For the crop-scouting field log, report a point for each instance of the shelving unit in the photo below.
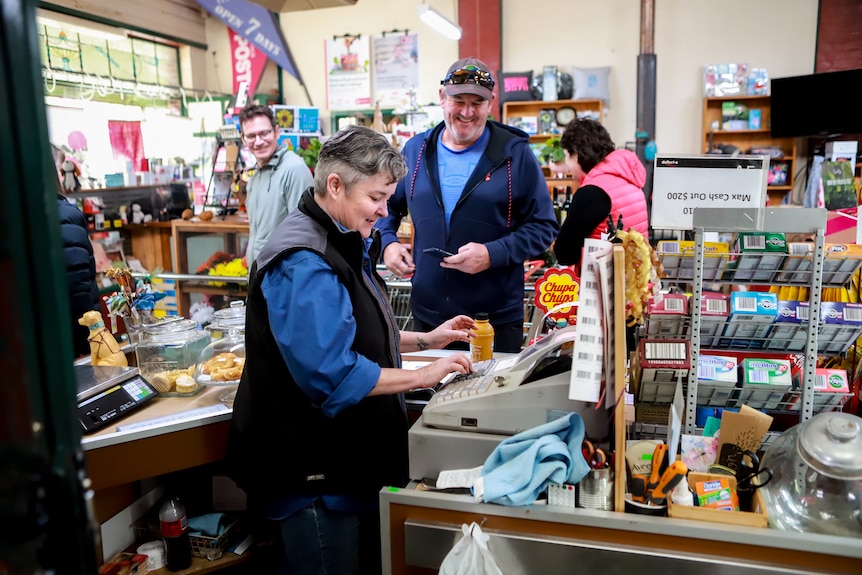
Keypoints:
(712, 134)
(532, 108)
(805, 221)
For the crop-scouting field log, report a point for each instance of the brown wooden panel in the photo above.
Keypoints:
(481, 21)
(788, 558)
(108, 502)
(839, 42)
(126, 462)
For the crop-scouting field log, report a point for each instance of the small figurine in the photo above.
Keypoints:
(71, 183)
(104, 349)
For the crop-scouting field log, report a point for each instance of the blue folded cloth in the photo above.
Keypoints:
(209, 524)
(522, 466)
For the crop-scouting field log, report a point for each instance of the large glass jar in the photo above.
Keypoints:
(168, 353)
(817, 483)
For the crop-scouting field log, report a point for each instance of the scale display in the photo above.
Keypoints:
(109, 393)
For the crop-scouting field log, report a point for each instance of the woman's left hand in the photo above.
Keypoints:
(459, 328)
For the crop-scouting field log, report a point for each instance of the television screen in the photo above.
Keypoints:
(824, 104)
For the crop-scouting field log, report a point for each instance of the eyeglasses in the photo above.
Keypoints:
(263, 135)
(469, 75)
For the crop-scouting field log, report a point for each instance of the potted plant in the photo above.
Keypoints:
(553, 155)
(310, 153)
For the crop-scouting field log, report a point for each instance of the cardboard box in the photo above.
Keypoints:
(841, 150)
(714, 311)
(677, 258)
(841, 325)
(764, 382)
(660, 364)
(717, 377)
(755, 256)
(751, 317)
(755, 518)
(789, 332)
(839, 265)
(667, 316)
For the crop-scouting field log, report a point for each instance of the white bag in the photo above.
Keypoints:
(470, 555)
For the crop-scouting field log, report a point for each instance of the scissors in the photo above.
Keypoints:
(595, 456)
(749, 478)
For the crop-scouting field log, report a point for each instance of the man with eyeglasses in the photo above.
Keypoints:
(278, 180)
(473, 188)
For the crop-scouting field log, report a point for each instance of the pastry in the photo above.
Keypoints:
(186, 384)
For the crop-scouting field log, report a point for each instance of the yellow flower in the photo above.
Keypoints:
(233, 268)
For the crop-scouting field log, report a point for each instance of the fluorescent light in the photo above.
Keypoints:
(439, 22)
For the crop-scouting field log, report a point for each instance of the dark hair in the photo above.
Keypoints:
(254, 110)
(354, 153)
(589, 140)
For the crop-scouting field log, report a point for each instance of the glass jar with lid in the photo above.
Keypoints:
(168, 353)
(228, 321)
(817, 476)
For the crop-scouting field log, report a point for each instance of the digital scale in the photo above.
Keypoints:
(106, 393)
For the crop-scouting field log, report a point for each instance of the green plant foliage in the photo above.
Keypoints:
(310, 153)
(552, 151)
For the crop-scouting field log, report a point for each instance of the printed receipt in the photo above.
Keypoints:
(453, 478)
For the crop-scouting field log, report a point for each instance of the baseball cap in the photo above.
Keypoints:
(469, 76)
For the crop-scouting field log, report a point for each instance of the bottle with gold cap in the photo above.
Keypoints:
(482, 346)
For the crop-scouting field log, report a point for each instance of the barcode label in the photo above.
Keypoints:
(819, 382)
(758, 376)
(744, 318)
(754, 242)
(716, 305)
(664, 350)
(582, 355)
(589, 320)
(746, 304)
(587, 338)
(673, 304)
(584, 374)
(706, 372)
(588, 302)
(852, 314)
(591, 285)
(669, 247)
(799, 249)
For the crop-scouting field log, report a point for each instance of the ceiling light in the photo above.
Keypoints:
(439, 22)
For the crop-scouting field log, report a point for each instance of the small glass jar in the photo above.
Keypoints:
(170, 350)
(229, 321)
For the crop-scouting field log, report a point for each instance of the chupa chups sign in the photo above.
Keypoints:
(557, 287)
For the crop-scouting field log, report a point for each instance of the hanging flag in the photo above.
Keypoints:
(258, 26)
(247, 63)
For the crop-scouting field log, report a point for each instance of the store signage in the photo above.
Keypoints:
(258, 26)
(683, 183)
(248, 63)
(558, 287)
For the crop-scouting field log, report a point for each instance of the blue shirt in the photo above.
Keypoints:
(311, 317)
(455, 168)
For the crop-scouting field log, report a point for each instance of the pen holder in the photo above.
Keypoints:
(596, 490)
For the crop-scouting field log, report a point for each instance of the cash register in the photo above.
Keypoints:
(108, 393)
(467, 417)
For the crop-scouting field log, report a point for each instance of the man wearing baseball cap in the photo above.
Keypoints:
(475, 189)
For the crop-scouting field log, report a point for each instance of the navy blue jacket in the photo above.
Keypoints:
(80, 270)
(505, 205)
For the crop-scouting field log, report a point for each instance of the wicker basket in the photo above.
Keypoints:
(147, 529)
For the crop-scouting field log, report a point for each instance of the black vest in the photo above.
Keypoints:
(280, 443)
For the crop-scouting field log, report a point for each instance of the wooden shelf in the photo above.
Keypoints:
(746, 139)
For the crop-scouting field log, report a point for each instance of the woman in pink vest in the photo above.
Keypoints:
(611, 183)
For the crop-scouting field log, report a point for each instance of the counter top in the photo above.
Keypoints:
(184, 412)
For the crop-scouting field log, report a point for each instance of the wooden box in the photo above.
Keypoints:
(758, 518)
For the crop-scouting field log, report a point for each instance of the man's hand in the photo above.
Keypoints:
(398, 259)
(471, 258)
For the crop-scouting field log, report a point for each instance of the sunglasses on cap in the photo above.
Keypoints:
(469, 76)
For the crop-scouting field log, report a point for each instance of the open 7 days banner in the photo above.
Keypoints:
(258, 25)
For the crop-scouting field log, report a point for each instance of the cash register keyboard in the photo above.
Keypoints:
(458, 385)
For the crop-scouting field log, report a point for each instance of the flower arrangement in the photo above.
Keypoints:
(223, 264)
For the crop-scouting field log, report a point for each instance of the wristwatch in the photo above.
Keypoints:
(565, 115)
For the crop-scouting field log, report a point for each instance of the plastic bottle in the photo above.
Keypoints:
(175, 530)
(482, 346)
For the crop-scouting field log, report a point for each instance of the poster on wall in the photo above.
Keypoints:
(396, 68)
(348, 74)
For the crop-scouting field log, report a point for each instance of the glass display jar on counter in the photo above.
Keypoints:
(229, 321)
(168, 353)
(817, 476)
(221, 362)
